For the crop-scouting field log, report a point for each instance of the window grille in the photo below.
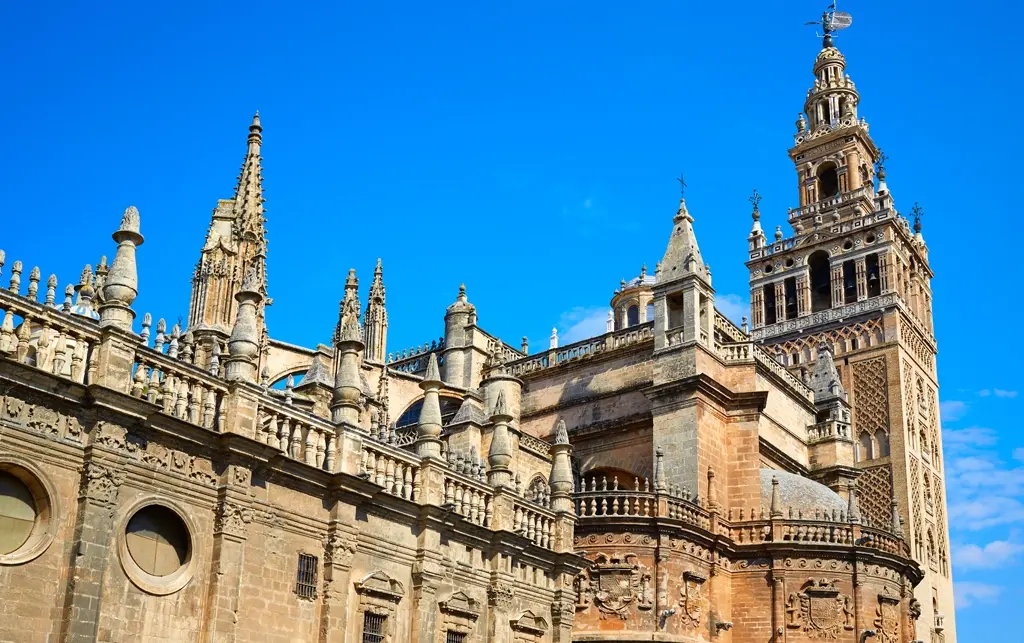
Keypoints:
(373, 627)
(455, 637)
(305, 578)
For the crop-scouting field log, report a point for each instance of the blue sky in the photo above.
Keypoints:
(528, 149)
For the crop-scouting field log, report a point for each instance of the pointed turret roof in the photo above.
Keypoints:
(682, 258)
(825, 381)
(377, 287)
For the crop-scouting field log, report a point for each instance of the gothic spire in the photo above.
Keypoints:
(682, 258)
(375, 323)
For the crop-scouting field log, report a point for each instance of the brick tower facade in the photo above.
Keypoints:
(854, 277)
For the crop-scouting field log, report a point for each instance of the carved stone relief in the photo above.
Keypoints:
(887, 617)
(691, 601)
(820, 610)
(614, 584)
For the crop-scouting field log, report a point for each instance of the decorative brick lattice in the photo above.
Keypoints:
(915, 503)
(867, 333)
(940, 525)
(871, 396)
(908, 419)
(913, 341)
(933, 422)
(874, 495)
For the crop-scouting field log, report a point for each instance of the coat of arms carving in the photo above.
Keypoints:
(820, 610)
(692, 599)
(614, 584)
(887, 620)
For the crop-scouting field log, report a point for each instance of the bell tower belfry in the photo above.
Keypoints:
(852, 283)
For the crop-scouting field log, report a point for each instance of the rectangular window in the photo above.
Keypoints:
(373, 627)
(455, 637)
(770, 314)
(790, 294)
(305, 578)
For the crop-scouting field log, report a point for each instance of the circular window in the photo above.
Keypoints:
(789, 262)
(156, 550)
(17, 513)
(847, 245)
(871, 238)
(27, 526)
(767, 268)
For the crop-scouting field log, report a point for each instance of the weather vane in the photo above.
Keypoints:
(831, 22)
(682, 185)
(918, 212)
(755, 198)
(882, 158)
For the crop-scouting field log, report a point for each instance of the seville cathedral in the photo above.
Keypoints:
(677, 478)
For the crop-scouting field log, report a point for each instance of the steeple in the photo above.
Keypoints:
(235, 241)
(375, 323)
(682, 257)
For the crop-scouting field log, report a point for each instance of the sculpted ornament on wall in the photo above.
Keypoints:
(692, 599)
(887, 617)
(501, 596)
(820, 610)
(614, 584)
(101, 483)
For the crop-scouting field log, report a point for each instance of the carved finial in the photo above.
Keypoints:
(561, 433)
(500, 406)
(250, 282)
(147, 321)
(778, 233)
(433, 373)
(130, 220)
(776, 508)
(659, 480)
(918, 212)
(69, 294)
(33, 283)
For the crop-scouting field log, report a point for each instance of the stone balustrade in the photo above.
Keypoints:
(470, 498)
(764, 359)
(396, 470)
(182, 390)
(297, 435)
(533, 521)
(588, 348)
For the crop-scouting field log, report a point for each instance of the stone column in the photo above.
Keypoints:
(230, 531)
(339, 550)
(780, 301)
(500, 601)
(803, 295)
(884, 276)
(757, 307)
(862, 278)
(427, 574)
(93, 539)
(838, 299)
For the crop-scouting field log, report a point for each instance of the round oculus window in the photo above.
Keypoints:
(18, 513)
(158, 540)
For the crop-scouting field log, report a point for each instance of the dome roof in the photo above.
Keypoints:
(800, 493)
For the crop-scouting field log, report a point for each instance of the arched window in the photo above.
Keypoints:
(874, 280)
(828, 181)
(821, 281)
(770, 311)
(864, 451)
(850, 282)
(883, 443)
(789, 286)
(538, 488)
(633, 315)
(449, 407)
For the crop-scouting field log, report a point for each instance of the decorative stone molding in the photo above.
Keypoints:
(47, 507)
(100, 483)
(156, 585)
(529, 628)
(820, 610)
(459, 613)
(233, 520)
(380, 594)
(501, 596)
(339, 549)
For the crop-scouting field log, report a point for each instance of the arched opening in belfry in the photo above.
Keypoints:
(789, 287)
(850, 282)
(821, 281)
(411, 416)
(633, 315)
(873, 276)
(865, 449)
(828, 181)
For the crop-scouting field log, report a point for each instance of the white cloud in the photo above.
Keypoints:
(965, 593)
(581, 323)
(998, 392)
(952, 410)
(1018, 454)
(964, 440)
(734, 307)
(994, 554)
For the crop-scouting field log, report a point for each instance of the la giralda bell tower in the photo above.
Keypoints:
(854, 276)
